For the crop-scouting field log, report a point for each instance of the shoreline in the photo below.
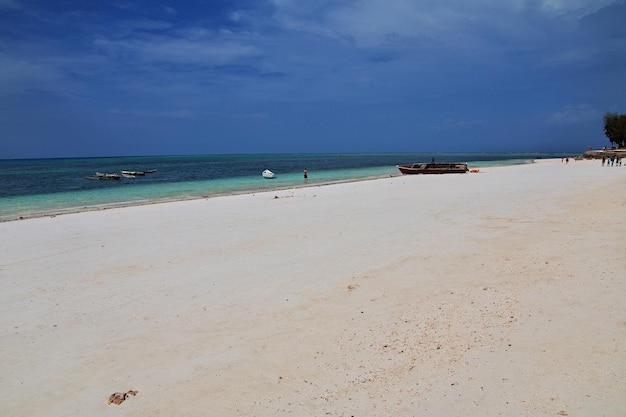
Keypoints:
(164, 200)
(497, 293)
(115, 205)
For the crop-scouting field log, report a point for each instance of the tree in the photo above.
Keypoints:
(615, 128)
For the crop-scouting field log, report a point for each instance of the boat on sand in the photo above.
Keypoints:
(434, 168)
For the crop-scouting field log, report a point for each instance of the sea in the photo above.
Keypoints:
(46, 187)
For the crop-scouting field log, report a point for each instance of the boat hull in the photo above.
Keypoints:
(106, 176)
(433, 168)
(267, 174)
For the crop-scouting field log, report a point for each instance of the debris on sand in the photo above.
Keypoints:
(119, 397)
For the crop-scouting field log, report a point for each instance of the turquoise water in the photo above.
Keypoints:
(40, 187)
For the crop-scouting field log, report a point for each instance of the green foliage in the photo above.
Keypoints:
(615, 128)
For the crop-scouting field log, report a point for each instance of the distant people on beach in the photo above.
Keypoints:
(306, 174)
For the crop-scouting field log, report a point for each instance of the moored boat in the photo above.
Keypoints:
(434, 168)
(268, 174)
(105, 176)
(134, 173)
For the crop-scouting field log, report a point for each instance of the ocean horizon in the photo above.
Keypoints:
(43, 187)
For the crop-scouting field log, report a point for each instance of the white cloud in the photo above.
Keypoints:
(573, 8)
(573, 114)
(173, 114)
(376, 22)
(9, 4)
(19, 75)
(145, 24)
(180, 51)
(170, 11)
(450, 124)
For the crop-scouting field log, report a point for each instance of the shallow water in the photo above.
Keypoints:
(52, 186)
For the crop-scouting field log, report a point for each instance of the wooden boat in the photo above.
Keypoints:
(104, 176)
(434, 168)
(268, 174)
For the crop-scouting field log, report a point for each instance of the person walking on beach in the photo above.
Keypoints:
(306, 174)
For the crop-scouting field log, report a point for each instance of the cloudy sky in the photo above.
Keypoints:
(150, 77)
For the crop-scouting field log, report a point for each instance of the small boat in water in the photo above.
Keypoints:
(268, 174)
(105, 176)
(434, 168)
(133, 173)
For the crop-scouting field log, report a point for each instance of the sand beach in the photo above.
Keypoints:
(499, 293)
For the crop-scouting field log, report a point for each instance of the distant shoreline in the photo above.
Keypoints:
(604, 153)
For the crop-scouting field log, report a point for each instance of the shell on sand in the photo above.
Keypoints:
(119, 397)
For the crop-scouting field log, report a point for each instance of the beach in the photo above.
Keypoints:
(496, 293)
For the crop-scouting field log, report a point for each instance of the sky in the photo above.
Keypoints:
(83, 78)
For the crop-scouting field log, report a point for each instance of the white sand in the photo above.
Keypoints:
(491, 294)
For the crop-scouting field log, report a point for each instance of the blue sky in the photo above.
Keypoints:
(120, 77)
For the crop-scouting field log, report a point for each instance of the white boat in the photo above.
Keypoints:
(268, 174)
(105, 176)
